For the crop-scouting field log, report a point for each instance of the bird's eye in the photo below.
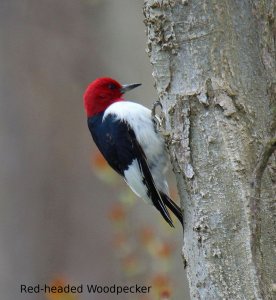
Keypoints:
(112, 86)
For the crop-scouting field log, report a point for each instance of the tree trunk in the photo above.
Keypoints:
(215, 73)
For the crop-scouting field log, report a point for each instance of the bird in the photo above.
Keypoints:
(125, 134)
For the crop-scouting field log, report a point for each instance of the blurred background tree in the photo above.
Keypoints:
(57, 216)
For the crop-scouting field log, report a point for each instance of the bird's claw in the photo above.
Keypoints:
(155, 105)
(157, 119)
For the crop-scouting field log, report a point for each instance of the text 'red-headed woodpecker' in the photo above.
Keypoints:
(125, 135)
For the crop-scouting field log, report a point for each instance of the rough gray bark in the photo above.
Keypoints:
(215, 73)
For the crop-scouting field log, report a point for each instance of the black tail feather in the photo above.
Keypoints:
(173, 207)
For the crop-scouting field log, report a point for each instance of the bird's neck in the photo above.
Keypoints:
(94, 108)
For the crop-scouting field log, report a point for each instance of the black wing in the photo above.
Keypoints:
(112, 139)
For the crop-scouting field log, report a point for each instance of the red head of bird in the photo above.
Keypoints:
(103, 92)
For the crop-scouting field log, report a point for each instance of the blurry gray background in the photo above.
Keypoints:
(53, 209)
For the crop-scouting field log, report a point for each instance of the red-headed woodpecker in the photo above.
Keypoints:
(125, 135)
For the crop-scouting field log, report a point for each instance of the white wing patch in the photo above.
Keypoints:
(134, 179)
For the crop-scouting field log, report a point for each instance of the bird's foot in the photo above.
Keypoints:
(159, 119)
(155, 105)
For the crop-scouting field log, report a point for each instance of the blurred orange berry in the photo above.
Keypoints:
(161, 285)
(98, 161)
(102, 169)
(146, 235)
(165, 295)
(117, 213)
(59, 282)
(160, 281)
(165, 250)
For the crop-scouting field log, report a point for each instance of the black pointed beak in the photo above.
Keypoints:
(128, 87)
